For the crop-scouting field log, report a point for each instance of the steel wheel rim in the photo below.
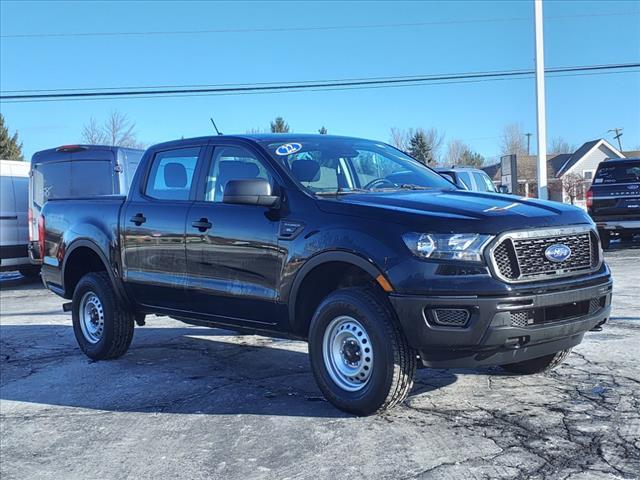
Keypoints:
(347, 353)
(91, 317)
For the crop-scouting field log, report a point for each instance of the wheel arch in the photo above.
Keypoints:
(93, 259)
(341, 263)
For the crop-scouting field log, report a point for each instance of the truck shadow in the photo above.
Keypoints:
(172, 370)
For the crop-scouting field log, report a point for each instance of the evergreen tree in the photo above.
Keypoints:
(419, 147)
(279, 126)
(10, 148)
(322, 131)
(471, 159)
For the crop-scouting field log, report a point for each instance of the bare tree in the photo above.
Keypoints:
(92, 133)
(401, 139)
(513, 141)
(573, 185)
(560, 145)
(117, 131)
(455, 151)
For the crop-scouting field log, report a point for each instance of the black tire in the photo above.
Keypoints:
(117, 332)
(394, 364)
(626, 236)
(605, 239)
(538, 365)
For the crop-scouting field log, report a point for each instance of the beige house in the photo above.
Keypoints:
(569, 174)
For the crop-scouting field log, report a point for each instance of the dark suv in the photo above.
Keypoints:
(613, 200)
(373, 258)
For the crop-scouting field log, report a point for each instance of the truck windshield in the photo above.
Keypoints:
(342, 165)
(624, 172)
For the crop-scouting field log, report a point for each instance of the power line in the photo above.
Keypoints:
(381, 82)
(332, 89)
(303, 29)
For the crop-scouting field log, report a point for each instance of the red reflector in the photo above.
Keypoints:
(41, 236)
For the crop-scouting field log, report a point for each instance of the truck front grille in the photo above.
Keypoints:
(556, 313)
(520, 256)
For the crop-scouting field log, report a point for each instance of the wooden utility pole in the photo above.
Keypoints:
(617, 136)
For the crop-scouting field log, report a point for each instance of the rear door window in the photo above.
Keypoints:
(627, 172)
(91, 177)
(465, 180)
(51, 180)
(483, 182)
(70, 179)
(171, 174)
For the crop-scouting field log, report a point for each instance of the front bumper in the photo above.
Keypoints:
(620, 224)
(490, 336)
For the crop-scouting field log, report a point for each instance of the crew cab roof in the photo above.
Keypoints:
(253, 137)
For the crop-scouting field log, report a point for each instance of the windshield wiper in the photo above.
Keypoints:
(411, 186)
(342, 191)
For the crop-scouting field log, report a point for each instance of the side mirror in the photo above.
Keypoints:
(503, 189)
(255, 191)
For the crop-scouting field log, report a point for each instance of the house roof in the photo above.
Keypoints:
(492, 170)
(584, 150)
(557, 164)
(631, 153)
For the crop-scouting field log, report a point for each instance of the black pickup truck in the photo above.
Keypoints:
(613, 200)
(374, 259)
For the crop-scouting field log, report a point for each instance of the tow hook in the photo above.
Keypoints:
(516, 342)
(598, 327)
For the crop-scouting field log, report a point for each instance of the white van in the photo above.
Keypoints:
(14, 223)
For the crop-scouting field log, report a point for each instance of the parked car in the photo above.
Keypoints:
(74, 171)
(613, 200)
(468, 178)
(14, 237)
(349, 244)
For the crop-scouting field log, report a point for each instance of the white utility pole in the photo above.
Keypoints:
(543, 192)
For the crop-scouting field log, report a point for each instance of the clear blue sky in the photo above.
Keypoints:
(578, 108)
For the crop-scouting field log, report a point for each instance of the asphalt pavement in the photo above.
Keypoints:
(194, 403)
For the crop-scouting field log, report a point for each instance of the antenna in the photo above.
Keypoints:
(214, 126)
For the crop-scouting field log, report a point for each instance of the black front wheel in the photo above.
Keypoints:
(360, 358)
(102, 326)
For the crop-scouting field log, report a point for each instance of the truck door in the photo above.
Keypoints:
(153, 226)
(233, 260)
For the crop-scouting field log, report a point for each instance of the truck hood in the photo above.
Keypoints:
(456, 210)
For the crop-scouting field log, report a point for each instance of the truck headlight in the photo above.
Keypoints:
(466, 247)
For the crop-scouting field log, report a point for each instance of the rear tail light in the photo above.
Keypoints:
(589, 198)
(30, 225)
(41, 236)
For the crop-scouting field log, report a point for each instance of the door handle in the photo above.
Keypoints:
(203, 224)
(138, 219)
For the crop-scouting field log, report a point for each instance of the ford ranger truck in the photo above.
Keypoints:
(372, 258)
(613, 200)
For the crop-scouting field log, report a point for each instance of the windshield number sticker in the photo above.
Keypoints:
(288, 149)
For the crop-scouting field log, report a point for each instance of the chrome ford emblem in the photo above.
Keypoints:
(557, 253)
